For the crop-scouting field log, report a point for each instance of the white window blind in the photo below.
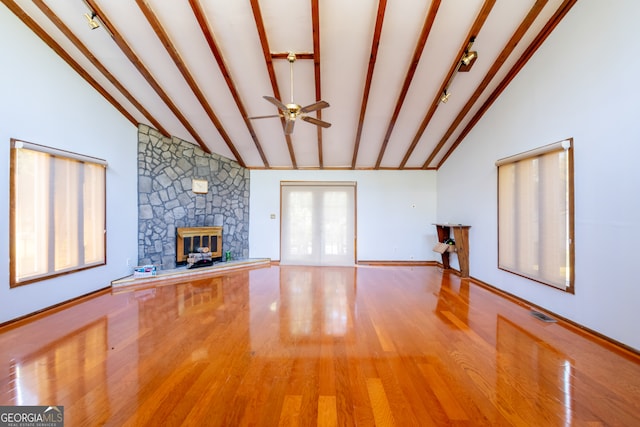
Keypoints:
(318, 223)
(535, 218)
(57, 212)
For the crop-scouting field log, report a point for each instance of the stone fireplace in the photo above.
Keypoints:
(167, 168)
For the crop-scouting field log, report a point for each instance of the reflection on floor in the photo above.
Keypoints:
(305, 346)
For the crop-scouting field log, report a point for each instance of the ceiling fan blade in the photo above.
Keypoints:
(313, 107)
(277, 103)
(264, 117)
(288, 127)
(315, 121)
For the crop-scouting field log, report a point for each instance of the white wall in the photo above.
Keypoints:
(395, 210)
(42, 100)
(583, 83)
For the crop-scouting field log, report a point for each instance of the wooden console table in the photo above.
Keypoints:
(461, 237)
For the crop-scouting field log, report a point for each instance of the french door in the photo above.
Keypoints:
(318, 223)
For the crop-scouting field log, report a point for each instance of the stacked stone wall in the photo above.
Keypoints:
(166, 168)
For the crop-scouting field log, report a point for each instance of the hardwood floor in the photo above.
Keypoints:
(309, 346)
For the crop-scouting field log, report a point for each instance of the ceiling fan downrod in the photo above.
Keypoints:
(291, 57)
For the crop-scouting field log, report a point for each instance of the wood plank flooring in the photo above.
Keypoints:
(303, 346)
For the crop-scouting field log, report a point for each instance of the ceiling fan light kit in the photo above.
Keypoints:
(290, 112)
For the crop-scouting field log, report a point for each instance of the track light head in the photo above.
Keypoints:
(468, 57)
(93, 24)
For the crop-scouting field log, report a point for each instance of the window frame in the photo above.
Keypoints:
(54, 154)
(567, 147)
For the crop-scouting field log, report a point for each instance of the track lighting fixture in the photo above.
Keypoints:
(467, 59)
(93, 24)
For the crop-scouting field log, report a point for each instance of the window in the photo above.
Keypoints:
(318, 223)
(58, 209)
(535, 215)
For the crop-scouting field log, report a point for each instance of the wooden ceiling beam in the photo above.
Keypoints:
(139, 65)
(382, 4)
(215, 50)
(417, 53)
(473, 32)
(495, 67)
(262, 34)
(284, 55)
(49, 41)
(560, 13)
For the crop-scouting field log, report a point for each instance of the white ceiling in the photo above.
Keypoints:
(403, 125)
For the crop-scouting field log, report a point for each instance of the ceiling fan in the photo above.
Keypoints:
(292, 111)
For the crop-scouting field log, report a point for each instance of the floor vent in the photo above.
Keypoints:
(542, 316)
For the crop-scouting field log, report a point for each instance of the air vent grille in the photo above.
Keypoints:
(542, 316)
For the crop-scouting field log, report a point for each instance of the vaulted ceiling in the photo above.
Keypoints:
(198, 69)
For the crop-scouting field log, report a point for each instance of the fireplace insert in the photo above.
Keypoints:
(190, 239)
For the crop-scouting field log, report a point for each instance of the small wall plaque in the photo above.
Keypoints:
(200, 186)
